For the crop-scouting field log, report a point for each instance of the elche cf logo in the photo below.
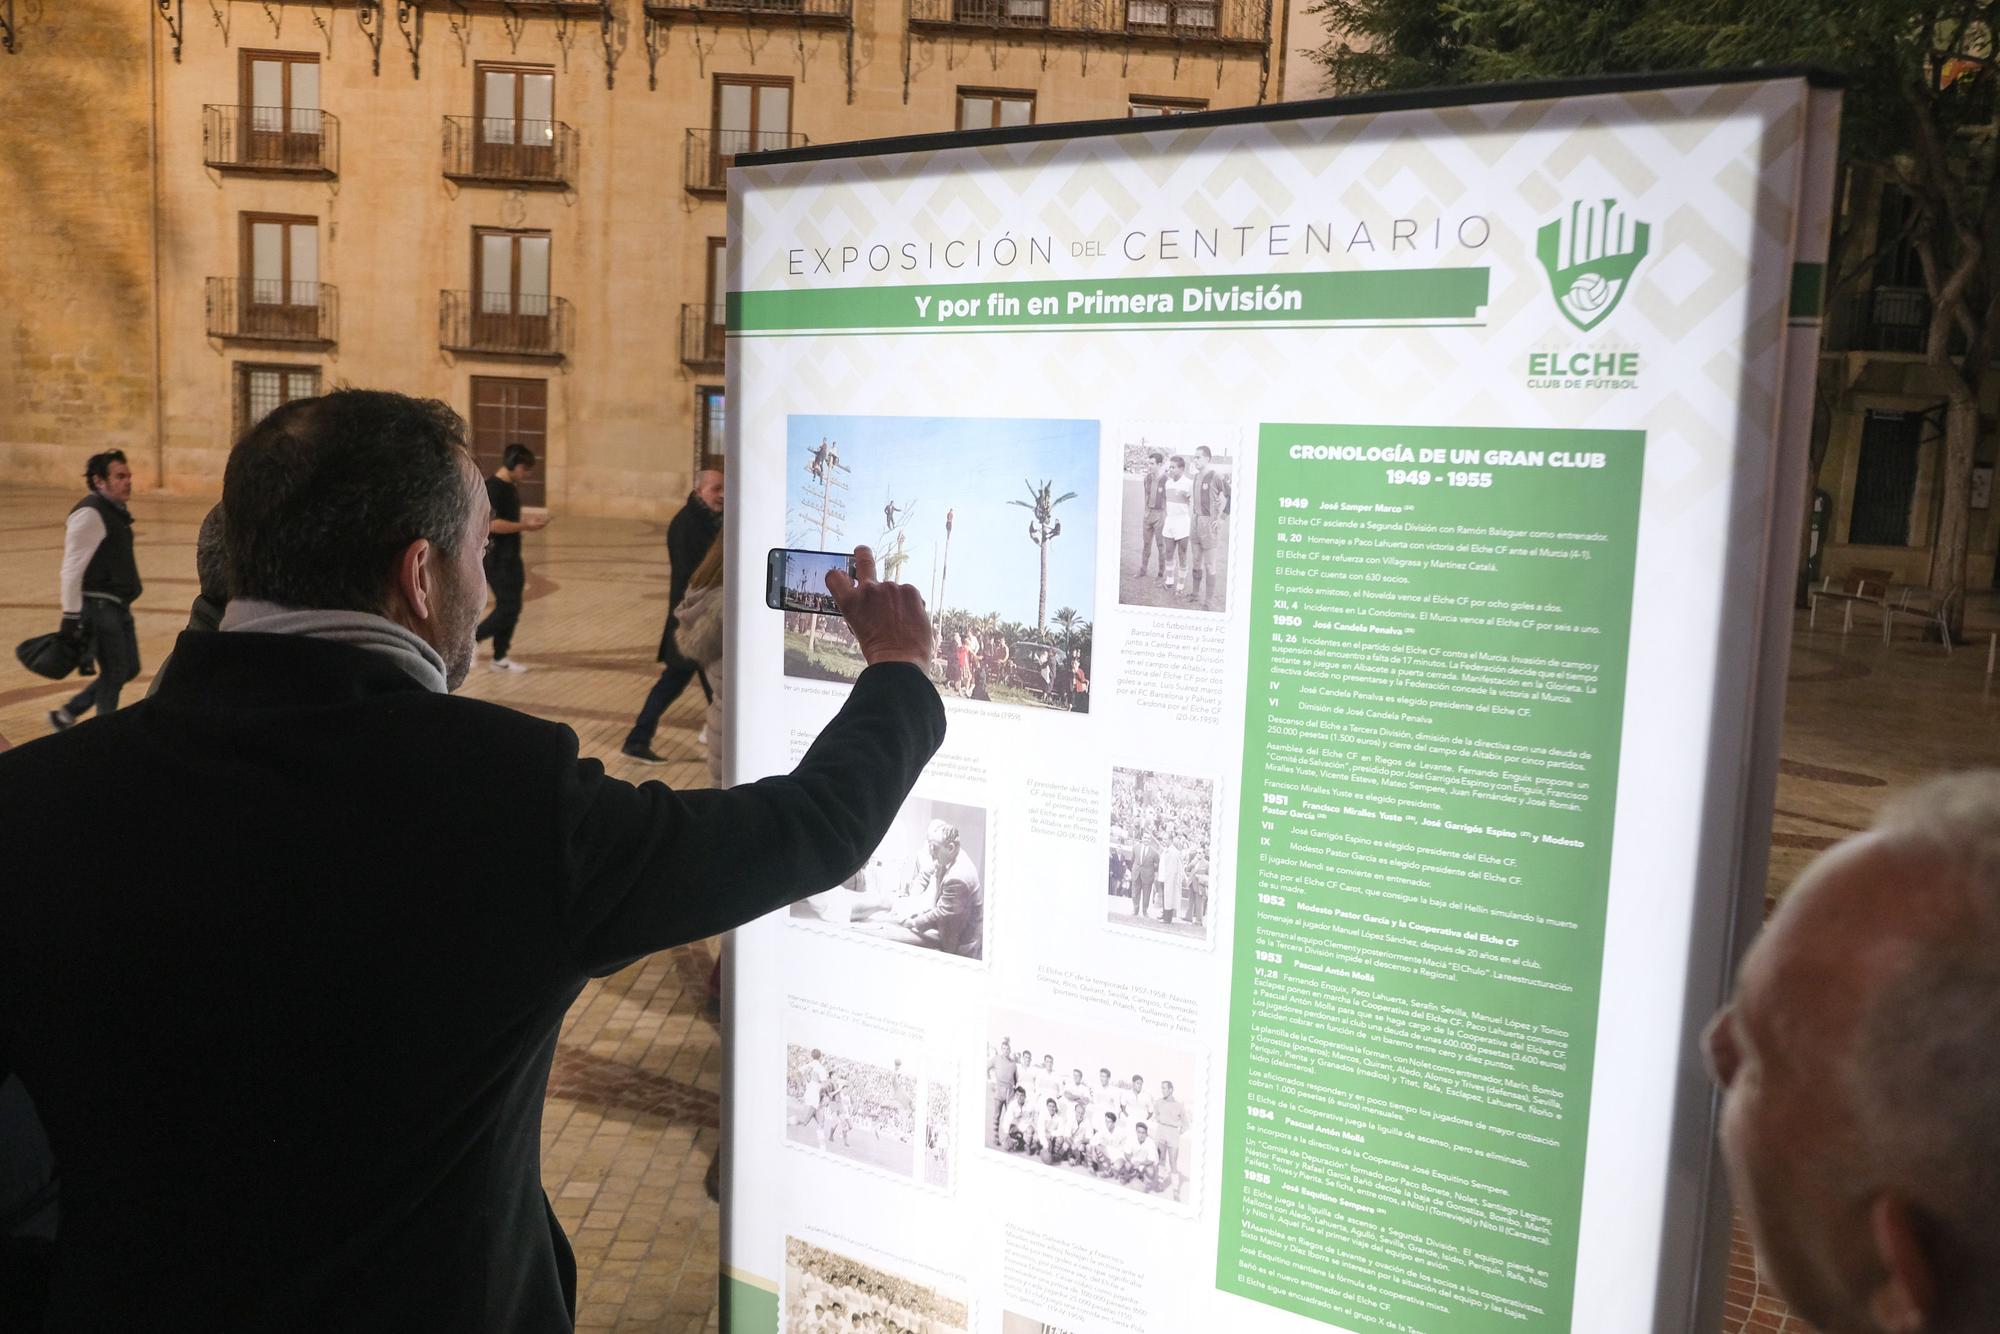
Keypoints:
(1590, 253)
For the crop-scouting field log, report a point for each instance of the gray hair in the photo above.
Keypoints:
(1925, 1076)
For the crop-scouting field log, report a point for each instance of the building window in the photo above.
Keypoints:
(259, 389)
(990, 109)
(280, 97)
(751, 115)
(280, 291)
(1885, 479)
(708, 423)
(514, 107)
(1163, 106)
(510, 282)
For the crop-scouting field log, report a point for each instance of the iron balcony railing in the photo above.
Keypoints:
(509, 151)
(292, 139)
(702, 336)
(1240, 21)
(710, 152)
(1885, 319)
(837, 13)
(504, 324)
(272, 310)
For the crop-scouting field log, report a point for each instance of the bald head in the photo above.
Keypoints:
(1862, 1090)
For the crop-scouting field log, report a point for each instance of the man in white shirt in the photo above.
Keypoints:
(1142, 1159)
(1137, 1102)
(99, 583)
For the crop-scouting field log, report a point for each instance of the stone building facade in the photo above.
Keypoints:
(514, 207)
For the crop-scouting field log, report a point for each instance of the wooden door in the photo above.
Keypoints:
(507, 411)
(718, 298)
(281, 126)
(510, 292)
(515, 118)
(752, 115)
(280, 283)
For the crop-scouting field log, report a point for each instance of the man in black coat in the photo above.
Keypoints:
(292, 1056)
(689, 537)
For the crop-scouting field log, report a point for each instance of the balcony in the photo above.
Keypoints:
(297, 142)
(826, 13)
(1886, 319)
(502, 324)
(709, 153)
(702, 337)
(1244, 23)
(271, 311)
(520, 154)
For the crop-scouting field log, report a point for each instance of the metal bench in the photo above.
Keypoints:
(1925, 606)
(1864, 586)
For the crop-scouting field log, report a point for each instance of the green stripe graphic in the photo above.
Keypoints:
(1291, 298)
(747, 1309)
(1808, 290)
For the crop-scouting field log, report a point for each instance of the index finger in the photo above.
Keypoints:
(864, 565)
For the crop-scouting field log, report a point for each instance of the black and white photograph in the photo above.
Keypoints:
(827, 1292)
(994, 518)
(1161, 863)
(1093, 1106)
(924, 887)
(1175, 511)
(869, 1098)
(1012, 1322)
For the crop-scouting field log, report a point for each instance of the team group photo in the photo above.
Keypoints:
(1094, 1105)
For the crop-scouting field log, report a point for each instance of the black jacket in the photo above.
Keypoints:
(292, 1054)
(113, 569)
(689, 537)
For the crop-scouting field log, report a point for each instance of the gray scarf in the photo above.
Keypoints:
(360, 628)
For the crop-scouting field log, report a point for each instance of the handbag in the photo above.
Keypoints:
(54, 656)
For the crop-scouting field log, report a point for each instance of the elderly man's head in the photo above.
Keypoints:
(361, 500)
(1860, 1062)
(942, 837)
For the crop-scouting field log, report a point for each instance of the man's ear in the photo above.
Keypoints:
(417, 579)
(1905, 1296)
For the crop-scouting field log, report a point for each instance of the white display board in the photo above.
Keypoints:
(1386, 765)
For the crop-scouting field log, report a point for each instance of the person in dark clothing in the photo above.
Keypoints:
(100, 582)
(294, 1073)
(28, 1209)
(506, 574)
(689, 536)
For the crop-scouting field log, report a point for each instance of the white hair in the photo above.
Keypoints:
(1926, 1063)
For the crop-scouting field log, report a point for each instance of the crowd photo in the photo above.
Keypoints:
(924, 885)
(1160, 867)
(830, 1293)
(995, 519)
(1111, 1108)
(1174, 516)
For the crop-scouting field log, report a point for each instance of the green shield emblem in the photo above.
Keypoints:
(1589, 254)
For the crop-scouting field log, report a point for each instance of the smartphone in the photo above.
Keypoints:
(796, 580)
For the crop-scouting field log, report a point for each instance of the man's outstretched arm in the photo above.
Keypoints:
(649, 867)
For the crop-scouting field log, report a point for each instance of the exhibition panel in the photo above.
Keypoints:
(1359, 537)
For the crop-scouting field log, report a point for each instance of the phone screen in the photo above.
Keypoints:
(798, 580)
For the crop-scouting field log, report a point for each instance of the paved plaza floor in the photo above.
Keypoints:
(632, 1112)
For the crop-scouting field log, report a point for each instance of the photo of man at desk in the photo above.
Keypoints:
(922, 887)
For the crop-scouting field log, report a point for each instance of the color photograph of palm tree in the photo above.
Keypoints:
(995, 519)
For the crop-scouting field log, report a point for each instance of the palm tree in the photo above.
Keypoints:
(1043, 529)
(1067, 617)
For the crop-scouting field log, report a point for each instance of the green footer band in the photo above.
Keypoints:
(748, 1306)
